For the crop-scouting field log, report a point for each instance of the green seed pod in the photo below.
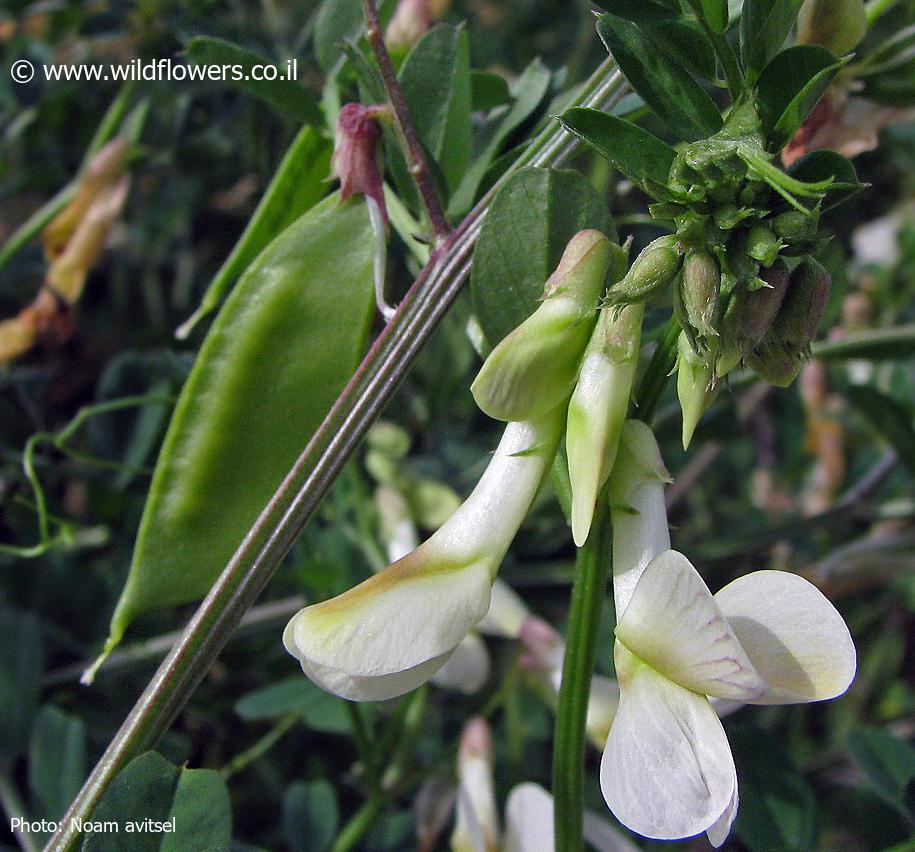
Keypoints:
(533, 369)
(654, 268)
(748, 316)
(837, 25)
(697, 298)
(763, 245)
(778, 357)
(271, 366)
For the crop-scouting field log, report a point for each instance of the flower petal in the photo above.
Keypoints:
(719, 831)
(407, 615)
(602, 703)
(372, 688)
(795, 637)
(467, 668)
(673, 623)
(667, 771)
(529, 820)
(639, 515)
(507, 612)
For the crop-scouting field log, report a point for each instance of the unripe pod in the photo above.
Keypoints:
(837, 25)
(778, 357)
(697, 297)
(763, 245)
(654, 268)
(748, 316)
(696, 387)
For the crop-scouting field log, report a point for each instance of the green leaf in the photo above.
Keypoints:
(677, 99)
(764, 26)
(639, 155)
(20, 673)
(298, 184)
(777, 806)
(641, 11)
(879, 344)
(57, 760)
(716, 14)
(337, 21)
(821, 165)
(286, 95)
(320, 710)
(193, 804)
(888, 764)
(529, 90)
(488, 91)
(687, 45)
(531, 220)
(890, 419)
(789, 88)
(435, 79)
(310, 816)
(285, 343)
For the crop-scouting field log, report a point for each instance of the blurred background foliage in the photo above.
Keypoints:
(814, 479)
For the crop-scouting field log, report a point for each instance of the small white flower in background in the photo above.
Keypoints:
(528, 811)
(769, 637)
(545, 651)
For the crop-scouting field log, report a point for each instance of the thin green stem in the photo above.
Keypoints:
(262, 746)
(877, 8)
(361, 822)
(13, 806)
(297, 499)
(588, 594)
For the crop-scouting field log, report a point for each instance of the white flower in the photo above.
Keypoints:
(528, 811)
(769, 637)
(393, 631)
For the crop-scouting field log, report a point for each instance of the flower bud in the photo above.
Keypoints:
(778, 357)
(696, 386)
(411, 20)
(598, 409)
(763, 245)
(793, 227)
(476, 824)
(837, 25)
(533, 369)
(654, 268)
(748, 316)
(697, 298)
(356, 154)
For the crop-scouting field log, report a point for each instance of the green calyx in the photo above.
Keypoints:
(696, 299)
(534, 368)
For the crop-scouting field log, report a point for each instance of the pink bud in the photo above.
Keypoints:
(543, 643)
(356, 154)
(476, 740)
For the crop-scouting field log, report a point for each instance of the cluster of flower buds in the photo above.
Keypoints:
(742, 242)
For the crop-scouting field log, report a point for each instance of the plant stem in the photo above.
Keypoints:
(301, 492)
(361, 822)
(262, 746)
(877, 8)
(13, 806)
(588, 594)
(413, 149)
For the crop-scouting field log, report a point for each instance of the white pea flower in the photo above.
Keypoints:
(769, 637)
(528, 811)
(394, 630)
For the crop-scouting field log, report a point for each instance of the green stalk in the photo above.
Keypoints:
(297, 499)
(588, 594)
